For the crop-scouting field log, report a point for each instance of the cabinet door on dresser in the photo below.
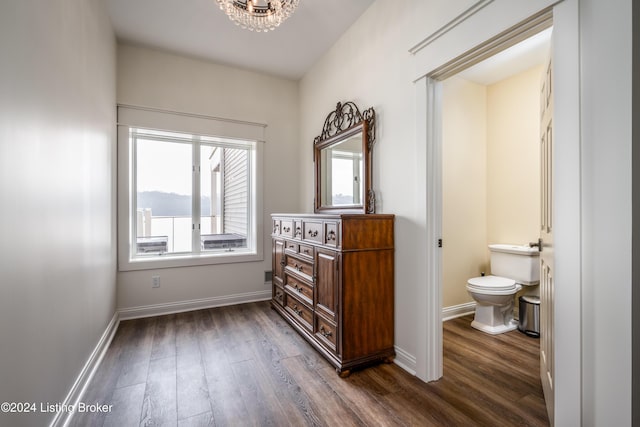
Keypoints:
(278, 265)
(278, 261)
(327, 281)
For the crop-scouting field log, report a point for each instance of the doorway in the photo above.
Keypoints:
(490, 164)
(447, 51)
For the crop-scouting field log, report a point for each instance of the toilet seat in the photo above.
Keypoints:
(493, 285)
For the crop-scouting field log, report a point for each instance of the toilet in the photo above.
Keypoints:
(512, 267)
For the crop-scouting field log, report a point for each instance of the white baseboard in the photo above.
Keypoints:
(190, 305)
(63, 418)
(459, 310)
(405, 360)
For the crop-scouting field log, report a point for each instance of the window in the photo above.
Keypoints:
(190, 199)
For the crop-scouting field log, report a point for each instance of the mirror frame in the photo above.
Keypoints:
(342, 123)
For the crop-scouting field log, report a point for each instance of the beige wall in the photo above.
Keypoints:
(513, 159)
(490, 178)
(152, 78)
(464, 187)
(57, 192)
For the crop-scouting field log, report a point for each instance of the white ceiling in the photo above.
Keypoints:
(516, 59)
(199, 28)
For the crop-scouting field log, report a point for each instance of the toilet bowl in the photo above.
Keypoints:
(513, 266)
(494, 297)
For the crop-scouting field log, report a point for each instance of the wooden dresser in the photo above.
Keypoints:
(333, 282)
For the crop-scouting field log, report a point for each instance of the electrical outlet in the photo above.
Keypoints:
(155, 281)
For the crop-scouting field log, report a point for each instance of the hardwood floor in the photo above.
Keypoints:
(244, 366)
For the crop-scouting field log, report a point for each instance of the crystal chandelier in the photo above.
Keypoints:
(258, 15)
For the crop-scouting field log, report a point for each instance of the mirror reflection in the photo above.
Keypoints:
(342, 173)
(342, 157)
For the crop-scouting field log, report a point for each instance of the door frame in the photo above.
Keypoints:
(496, 23)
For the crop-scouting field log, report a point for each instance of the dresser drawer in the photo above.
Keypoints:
(276, 227)
(326, 332)
(331, 234)
(306, 251)
(297, 229)
(278, 295)
(312, 231)
(286, 228)
(291, 246)
(300, 267)
(299, 288)
(299, 311)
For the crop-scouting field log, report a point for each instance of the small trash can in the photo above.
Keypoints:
(529, 313)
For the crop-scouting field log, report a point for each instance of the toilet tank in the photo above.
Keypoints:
(520, 263)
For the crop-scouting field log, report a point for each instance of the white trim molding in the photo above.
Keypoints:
(190, 305)
(63, 417)
(156, 118)
(454, 311)
(478, 24)
(405, 360)
(451, 24)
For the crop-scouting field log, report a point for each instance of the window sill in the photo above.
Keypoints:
(173, 261)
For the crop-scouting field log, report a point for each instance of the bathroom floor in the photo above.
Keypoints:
(498, 375)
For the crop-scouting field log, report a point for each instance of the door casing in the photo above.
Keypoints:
(457, 43)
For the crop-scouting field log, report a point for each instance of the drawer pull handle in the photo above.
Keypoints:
(306, 251)
(279, 295)
(299, 289)
(313, 233)
(298, 232)
(298, 312)
(287, 229)
(298, 267)
(331, 236)
(324, 332)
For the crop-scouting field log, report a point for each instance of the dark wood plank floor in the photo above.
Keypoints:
(244, 366)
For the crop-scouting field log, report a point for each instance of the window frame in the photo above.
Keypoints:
(127, 259)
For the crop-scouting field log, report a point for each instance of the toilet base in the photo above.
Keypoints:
(495, 330)
(494, 312)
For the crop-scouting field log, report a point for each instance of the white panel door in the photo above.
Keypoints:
(546, 240)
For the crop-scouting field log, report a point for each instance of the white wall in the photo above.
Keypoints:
(606, 225)
(151, 78)
(57, 192)
(370, 65)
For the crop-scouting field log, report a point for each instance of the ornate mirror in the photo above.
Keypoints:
(342, 156)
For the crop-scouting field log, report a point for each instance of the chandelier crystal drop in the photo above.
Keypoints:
(258, 15)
